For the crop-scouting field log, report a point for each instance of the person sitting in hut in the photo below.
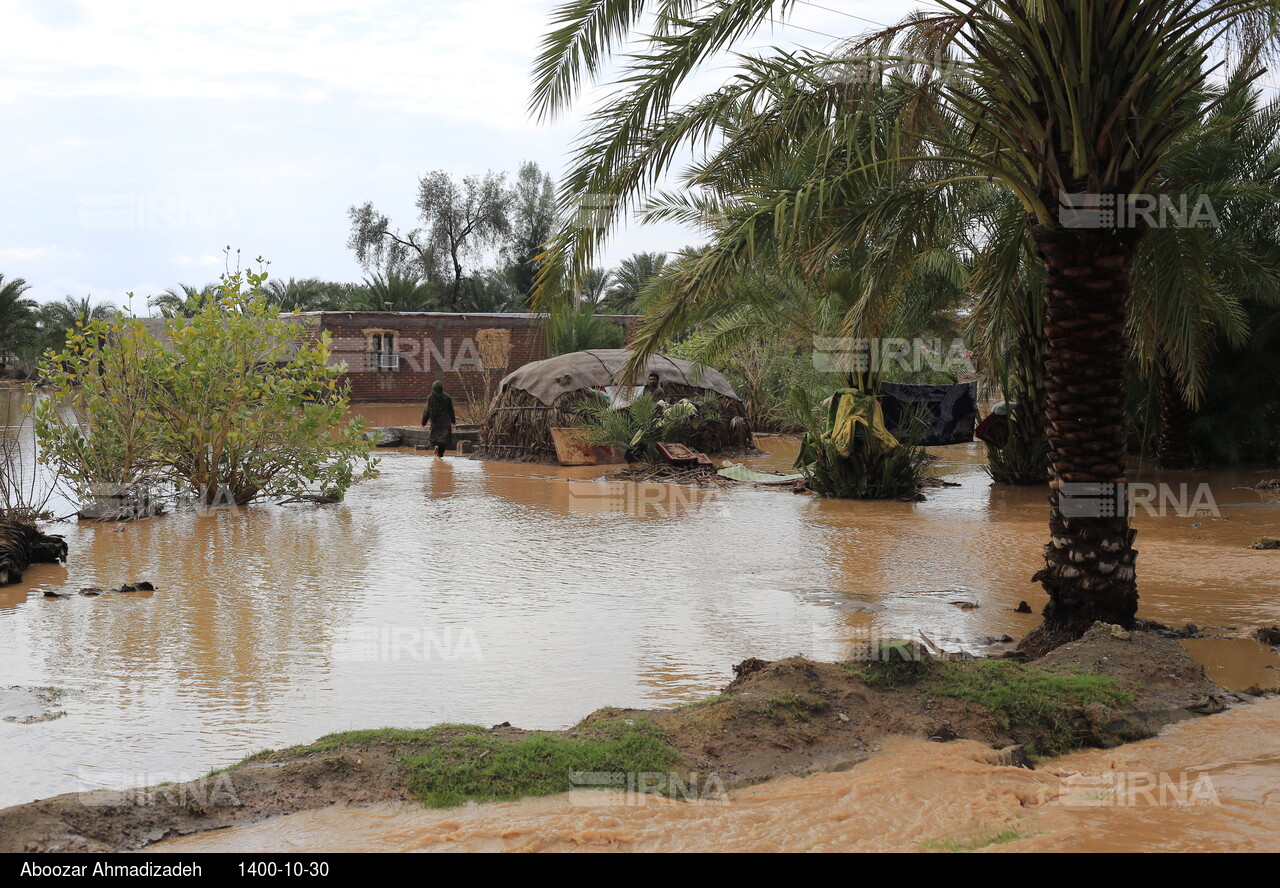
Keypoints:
(653, 388)
(439, 416)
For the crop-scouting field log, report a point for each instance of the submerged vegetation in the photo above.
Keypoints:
(232, 406)
(848, 452)
(954, 156)
(645, 423)
(977, 841)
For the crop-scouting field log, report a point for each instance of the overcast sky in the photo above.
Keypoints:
(141, 138)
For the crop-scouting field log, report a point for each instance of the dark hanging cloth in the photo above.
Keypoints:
(950, 411)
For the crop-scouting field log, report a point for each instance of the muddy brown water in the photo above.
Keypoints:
(456, 590)
(1208, 785)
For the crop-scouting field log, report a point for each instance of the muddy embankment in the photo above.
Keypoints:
(788, 717)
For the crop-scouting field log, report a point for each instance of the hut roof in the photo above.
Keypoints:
(549, 379)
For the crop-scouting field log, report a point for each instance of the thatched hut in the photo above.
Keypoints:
(551, 394)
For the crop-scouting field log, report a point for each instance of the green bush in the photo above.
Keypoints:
(643, 424)
(868, 472)
(236, 407)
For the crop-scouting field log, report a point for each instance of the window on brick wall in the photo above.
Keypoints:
(383, 351)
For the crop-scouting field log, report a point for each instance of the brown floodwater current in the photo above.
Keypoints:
(466, 591)
(1207, 785)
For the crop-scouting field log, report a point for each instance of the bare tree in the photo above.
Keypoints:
(459, 221)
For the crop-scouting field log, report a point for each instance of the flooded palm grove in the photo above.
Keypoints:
(465, 591)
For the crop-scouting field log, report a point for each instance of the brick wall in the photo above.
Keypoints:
(460, 349)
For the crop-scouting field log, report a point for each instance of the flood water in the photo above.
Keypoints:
(1208, 785)
(463, 591)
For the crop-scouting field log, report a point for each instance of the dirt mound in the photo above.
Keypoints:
(789, 717)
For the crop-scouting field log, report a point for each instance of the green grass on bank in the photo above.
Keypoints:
(485, 767)
(449, 764)
(1037, 706)
(1020, 695)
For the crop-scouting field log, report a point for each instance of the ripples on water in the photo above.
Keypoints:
(463, 591)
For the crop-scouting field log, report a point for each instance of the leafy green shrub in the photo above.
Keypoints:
(238, 406)
(869, 471)
(643, 424)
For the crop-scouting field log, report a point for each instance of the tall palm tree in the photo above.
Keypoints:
(398, 291)
(17, 318)
(629, 281)
(307, 294)
(1050, 99)
(595, 286)
(1195, 288)
(15, 308)
(55, 319)
(184, 300)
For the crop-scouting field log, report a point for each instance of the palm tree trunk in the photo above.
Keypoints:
(22, 545)
(1030, 425)
(1089, 561)
(1175, 426)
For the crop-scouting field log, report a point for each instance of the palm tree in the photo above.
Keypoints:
(630, 279)
(56, 319)
(185, 300)
(1049, 99)
(1195, 287)
(17, 318)
(490, 291)
(308, 294)
(595, 285)
(398, 291)
(584, 330)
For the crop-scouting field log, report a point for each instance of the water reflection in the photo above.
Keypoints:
(486, 592)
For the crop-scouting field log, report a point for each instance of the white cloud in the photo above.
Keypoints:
(152, 132)
(206, 260)
(38, 254)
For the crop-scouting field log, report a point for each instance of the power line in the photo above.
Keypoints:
(846, 14)
(810, 30)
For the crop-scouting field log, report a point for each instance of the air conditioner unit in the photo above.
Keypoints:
(389, 362)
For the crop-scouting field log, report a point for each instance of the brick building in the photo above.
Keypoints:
(396, 356)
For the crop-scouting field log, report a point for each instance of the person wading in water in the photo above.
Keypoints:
(439, 416)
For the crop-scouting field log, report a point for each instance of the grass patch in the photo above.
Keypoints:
(893, 662)
(354, 740)
(1026, 696)
(482, 766)
(975, 843)
(449, 764)
(792, 707)
(718, 698)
